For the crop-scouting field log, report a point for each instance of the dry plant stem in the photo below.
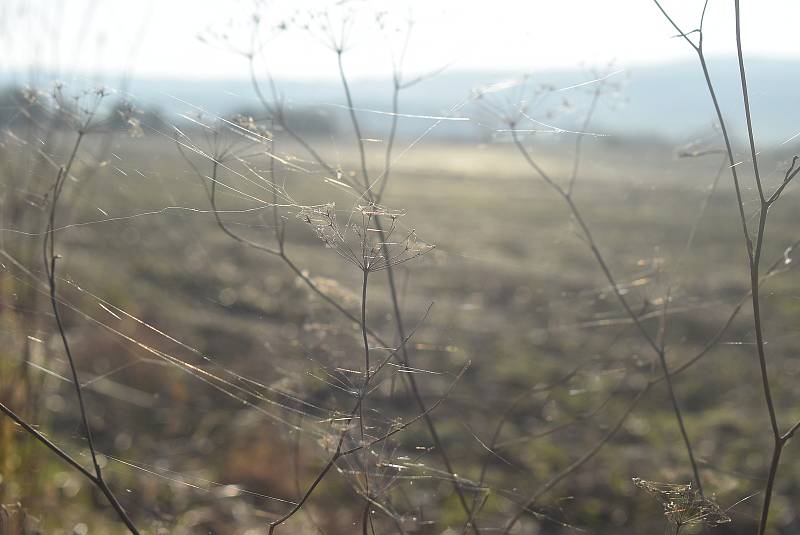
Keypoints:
(356, 127)
(426, 414)
(698, 48)
(399, 85)
(296, 476)
(408, 378)
(387, 164)
(413, 420)
(392, 516)
(779, 440)
(44, 440)
(364, 333)
(762, 222)
(437, 442)
(365, 518)
(339, 453)
(390, 273)
(211, 191)
(587, 234)
(709, 345)
(390, 270)
(673, 398)
(779, 443)
(579, 418)
(365, 278)
(282, 253)
(278, 115)
(754, 253)
(701, 212)
(731, 317)
(99, 483)
(275, 215)
(368, 525)
(576, 161)
(330, 464)
(586, 457)
(50, 259)
(746, 101)
(392, 354)
(325, 469)
(479, 500)
(213, 199)
(320, 476)
(660, 342)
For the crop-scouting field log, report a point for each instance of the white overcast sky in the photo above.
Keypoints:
(159, 37)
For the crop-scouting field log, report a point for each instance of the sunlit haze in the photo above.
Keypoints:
(158, 38)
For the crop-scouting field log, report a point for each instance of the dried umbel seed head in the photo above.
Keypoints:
(247, 124)
(239, 138)
(370, 239)
(127, 115)
(684, 505)
(79, 110)
(31, 96)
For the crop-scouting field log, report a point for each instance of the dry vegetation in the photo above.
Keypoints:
(223, 326)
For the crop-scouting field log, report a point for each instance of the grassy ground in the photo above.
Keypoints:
(513, 289)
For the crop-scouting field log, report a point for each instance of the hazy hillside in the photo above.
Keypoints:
(660, 100)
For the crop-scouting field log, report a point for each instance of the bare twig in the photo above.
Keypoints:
(50, 257)
(754, 251)
(589, 239)
(583, 459)
(279, 116)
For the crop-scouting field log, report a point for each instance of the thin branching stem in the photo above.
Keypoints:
(387, 163)
(278, 114)
(779, 440)
(326, 468)
(409, 379)
(698, 48)
(714, 340)
(589, 238)
(50, 258)
(47, 442)
(746, 102)
(662, 359)
(478, 501)
(587, 235)
(583, 459)
(576, 160)
(413, 420)
(754, 251)
(356, 125)
(412, 383)
(340, 452)
(399, 85)
(365, 386)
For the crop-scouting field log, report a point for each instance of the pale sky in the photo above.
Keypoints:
(159, 37)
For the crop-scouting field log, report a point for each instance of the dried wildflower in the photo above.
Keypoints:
(362, 240)
(246, 124)
(31, 96)
(127, 115)
(225, 139)
(683, 505)
(78, 109)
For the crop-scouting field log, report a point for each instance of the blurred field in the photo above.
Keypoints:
(512, 288)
